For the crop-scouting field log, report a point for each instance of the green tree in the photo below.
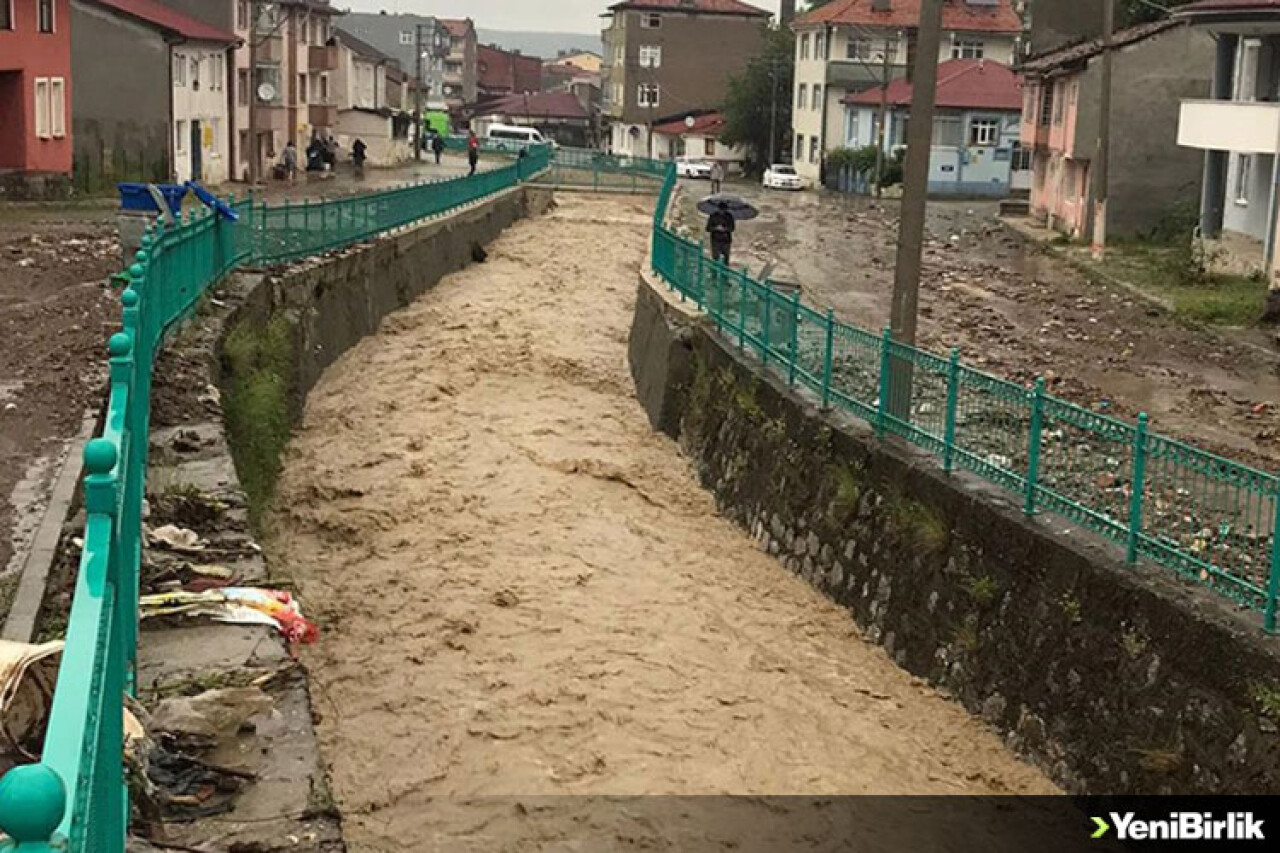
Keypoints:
(760, 98)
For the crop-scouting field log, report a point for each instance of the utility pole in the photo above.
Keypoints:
(417, 100)
(773, 112)
(1102, 162)
(915, 199)
(882, 133)
(255, 167)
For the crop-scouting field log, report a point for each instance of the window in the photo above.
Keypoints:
(984, 132)
(799, 145)
(802, 98)
(242, 87)
(195, 73)
(804, 46)
(180, 137)
(859, 49)
(817, 96)
(819, 46)
(1046, 103)
(43, 129)
(6, 14)
(651, 20)
(948, 131)
(242, 15)
(852, 120)
(179, 69)
(302, 88)
(58, 107)
(1244, 177)
(647, 94)
(710, 148)
(1058, 98)
(650, 56)
(44, 15)
(813, 149)
(407, 37)
(968, 49)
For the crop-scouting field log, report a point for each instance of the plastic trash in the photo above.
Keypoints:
(238, 606)
(139, 197)
(212, 202)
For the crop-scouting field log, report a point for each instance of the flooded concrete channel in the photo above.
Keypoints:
(524, 590)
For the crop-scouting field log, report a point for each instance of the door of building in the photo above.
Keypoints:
(197, 151)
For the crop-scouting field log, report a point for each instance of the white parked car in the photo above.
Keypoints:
(780, 176)
(689, 168)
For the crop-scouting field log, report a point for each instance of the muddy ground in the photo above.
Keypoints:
(56, 314)
(1020, 312)
(523, 589)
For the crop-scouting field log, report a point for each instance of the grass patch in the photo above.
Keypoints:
(1267, 698)
(1218, 300)
(258, 364)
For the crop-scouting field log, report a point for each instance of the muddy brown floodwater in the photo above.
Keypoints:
(524, 591)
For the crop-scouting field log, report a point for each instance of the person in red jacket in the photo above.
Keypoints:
(473, 150)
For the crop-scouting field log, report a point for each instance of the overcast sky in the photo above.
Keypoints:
(571, 16)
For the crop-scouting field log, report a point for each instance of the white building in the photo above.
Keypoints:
(201, 112)
(698, 138)
(844, 47)
(363, 83)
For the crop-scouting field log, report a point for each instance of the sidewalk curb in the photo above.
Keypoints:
(24, 614)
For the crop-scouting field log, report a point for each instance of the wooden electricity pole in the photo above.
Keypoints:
(882, 133)
(417, 99)
(255, 167)
(915, 197)
(1102, 161)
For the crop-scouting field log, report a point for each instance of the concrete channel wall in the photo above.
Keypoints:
(1114, 679)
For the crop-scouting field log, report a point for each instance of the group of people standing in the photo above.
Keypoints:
(322, 155)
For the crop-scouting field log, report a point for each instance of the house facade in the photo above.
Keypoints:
(559, 116)
(976, 126)
(505, 72)
(155, 94)
(1236, 131)
(668, 58)
(403, 37)
(461, 66)
(848, 46)
(1155, 66)
(698, 138)
(35, 97)
(368, 109)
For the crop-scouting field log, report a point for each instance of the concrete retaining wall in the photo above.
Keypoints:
(1113, 679)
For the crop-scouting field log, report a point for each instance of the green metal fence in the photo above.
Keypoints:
(74, 799)
(1207, 518)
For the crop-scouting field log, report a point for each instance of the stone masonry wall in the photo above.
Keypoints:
(1114, 679)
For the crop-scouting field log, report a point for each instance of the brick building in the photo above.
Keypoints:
(35, 97)
(504, 72)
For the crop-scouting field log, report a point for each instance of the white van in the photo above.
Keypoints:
(514, 137)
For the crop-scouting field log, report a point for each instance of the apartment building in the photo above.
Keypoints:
(421, 44)
(666, 59)
(506, 72)
(35, 97)
(461, 64)
(368, 93)
(848, 46)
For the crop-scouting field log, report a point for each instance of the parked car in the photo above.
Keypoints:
(780, 176)
(690, 168)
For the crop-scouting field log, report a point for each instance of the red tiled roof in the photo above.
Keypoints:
(963, 84)
(1077, 53)
(709, 124)
(956, 15)
(706, 7)
(161, 16)
(457, 28)
(539, 105)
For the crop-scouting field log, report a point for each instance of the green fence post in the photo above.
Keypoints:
(699, 272)
(1033, 447)
(742, 309)
(795, 337)
(953, 399)
(882, 404)
(1139, 485)
(768, 310)
(828, 357)
(1273, 586)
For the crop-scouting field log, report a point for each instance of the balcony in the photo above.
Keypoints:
(1248, 127)
(273, 117)
(1035, 134)
(271, 49)
(322, 115)
(322, 57)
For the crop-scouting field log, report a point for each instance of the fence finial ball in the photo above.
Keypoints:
(129, 299)
(99, 456)
(33, 800)
(119, 345)
(136, 272)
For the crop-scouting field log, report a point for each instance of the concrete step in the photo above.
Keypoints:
(1015, 207)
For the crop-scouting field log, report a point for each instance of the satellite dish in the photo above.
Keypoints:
(266, 92)
(689, 122)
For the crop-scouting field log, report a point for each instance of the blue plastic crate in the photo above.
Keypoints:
(136, 197)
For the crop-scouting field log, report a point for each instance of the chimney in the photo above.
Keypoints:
(788, 12)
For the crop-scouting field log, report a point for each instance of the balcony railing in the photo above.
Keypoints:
(1245, 126)
(322, 115)
(322, 57)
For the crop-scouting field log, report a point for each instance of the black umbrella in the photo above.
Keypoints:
(740, 208)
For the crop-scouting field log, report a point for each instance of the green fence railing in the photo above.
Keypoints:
(1206, 518)
(74, 799)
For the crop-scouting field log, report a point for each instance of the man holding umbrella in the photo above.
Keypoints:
(723, 212)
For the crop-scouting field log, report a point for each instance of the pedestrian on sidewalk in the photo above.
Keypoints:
(717, 177)
(437, 146)
(473, 150)
(720, 226)
(359, 152)
(290, 161)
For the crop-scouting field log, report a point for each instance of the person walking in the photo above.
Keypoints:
(473, 150)
(359, 153)
(437, 146)
(717, 177)
(720, 226)
(289, 159)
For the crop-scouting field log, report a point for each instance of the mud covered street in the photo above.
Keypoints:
(524, 591)
(1020, 312)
